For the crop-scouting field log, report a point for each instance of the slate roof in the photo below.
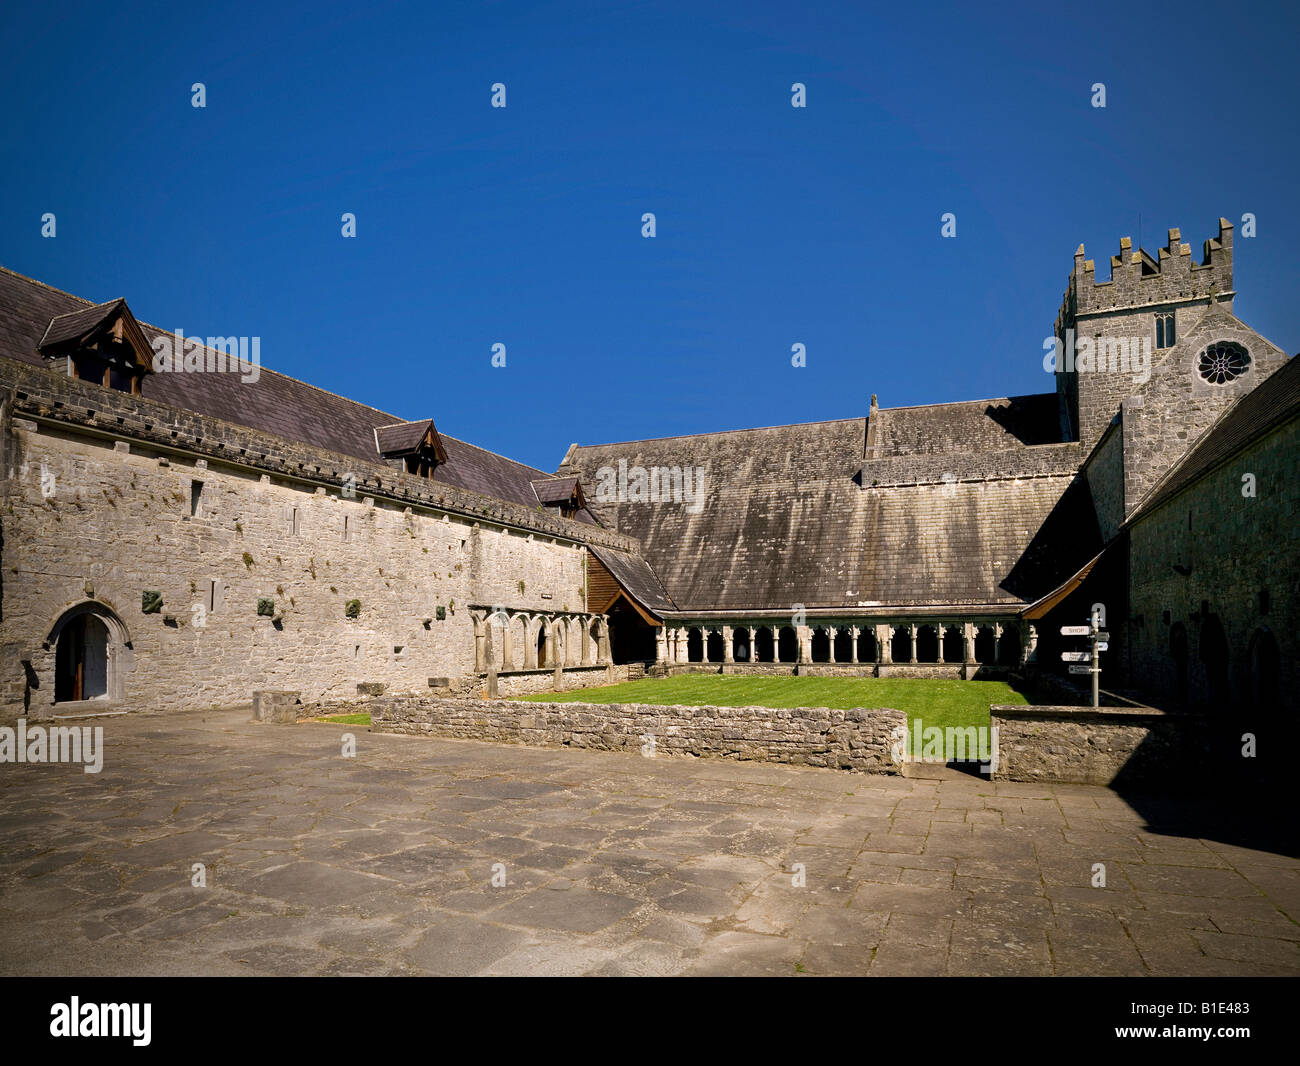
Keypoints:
(274, 403)
(972, 425)
(402, 438)
(637, 579)
(555, 489)
(1274, 401)
(78, 323)
(785, 521)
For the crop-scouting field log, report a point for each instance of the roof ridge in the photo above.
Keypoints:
(720, 432)
(955, 403)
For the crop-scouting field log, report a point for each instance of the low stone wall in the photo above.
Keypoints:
(954, 671)
(856, 739)
(527, 682)
(1102, 746)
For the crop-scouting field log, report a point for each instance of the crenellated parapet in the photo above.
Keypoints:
(1138, 280)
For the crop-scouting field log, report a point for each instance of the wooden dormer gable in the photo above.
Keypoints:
(103, 343)
(562, 493)
(416, 444)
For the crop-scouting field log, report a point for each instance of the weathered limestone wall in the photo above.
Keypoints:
(1177, 406)
(90, 519)
(1096, 747)
(527, 682)
(849, 740)
(1230, 549)
(1105, 474)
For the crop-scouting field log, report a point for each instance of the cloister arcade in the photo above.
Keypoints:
(506, 640)
(991, 642)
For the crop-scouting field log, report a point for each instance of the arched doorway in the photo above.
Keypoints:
(714, 646)
(985, 646)
(89, 644)
(740, 645)
(866, 645)
(843, 644)
(821, 646)
(764, 648)
(900, 645)
(927, 644)
(788, 645)
(541, 647)
(1009, 646)
(952, 645)
(694, 646)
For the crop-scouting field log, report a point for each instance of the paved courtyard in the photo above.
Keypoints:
(615, 864)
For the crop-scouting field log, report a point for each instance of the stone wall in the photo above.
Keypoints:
(1105, 475)
(1213, 555)
(849, 739)
(93, 523)
(1105, 746)
(527, 682)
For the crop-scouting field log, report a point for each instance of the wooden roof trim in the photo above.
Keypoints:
(116, 321)
(622, 594)
(1042, 606)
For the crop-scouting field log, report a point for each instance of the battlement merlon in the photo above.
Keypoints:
(1138, 280)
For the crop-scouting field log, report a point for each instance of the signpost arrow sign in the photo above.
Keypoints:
(1075, 657)
(1080, 669)
(1075, 631)
(1102, 646)
(1103, 634)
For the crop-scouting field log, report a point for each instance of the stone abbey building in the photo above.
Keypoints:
(180, 537)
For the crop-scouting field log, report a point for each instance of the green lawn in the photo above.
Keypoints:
(936, 703)
(345, 719)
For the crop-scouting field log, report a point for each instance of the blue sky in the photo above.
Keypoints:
(522, 225)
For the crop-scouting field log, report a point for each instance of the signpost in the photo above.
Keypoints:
(1098, 638)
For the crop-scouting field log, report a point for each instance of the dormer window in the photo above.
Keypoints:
(103, 344)
(563, 494)
(415, 444)
(1165, 330)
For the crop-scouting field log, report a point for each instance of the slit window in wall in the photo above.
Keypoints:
(196, 498)
(216, 595)
(356, 651)
(347, 528)
(1165, 330)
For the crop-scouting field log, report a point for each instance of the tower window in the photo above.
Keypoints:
(196, 497)
(1165, 330)
(1223, 362)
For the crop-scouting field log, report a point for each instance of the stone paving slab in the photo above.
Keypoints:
(388, 863)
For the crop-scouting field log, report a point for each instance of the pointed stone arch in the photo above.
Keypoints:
(92, 653)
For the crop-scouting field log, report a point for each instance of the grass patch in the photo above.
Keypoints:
(941, 703)
(345, 719)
